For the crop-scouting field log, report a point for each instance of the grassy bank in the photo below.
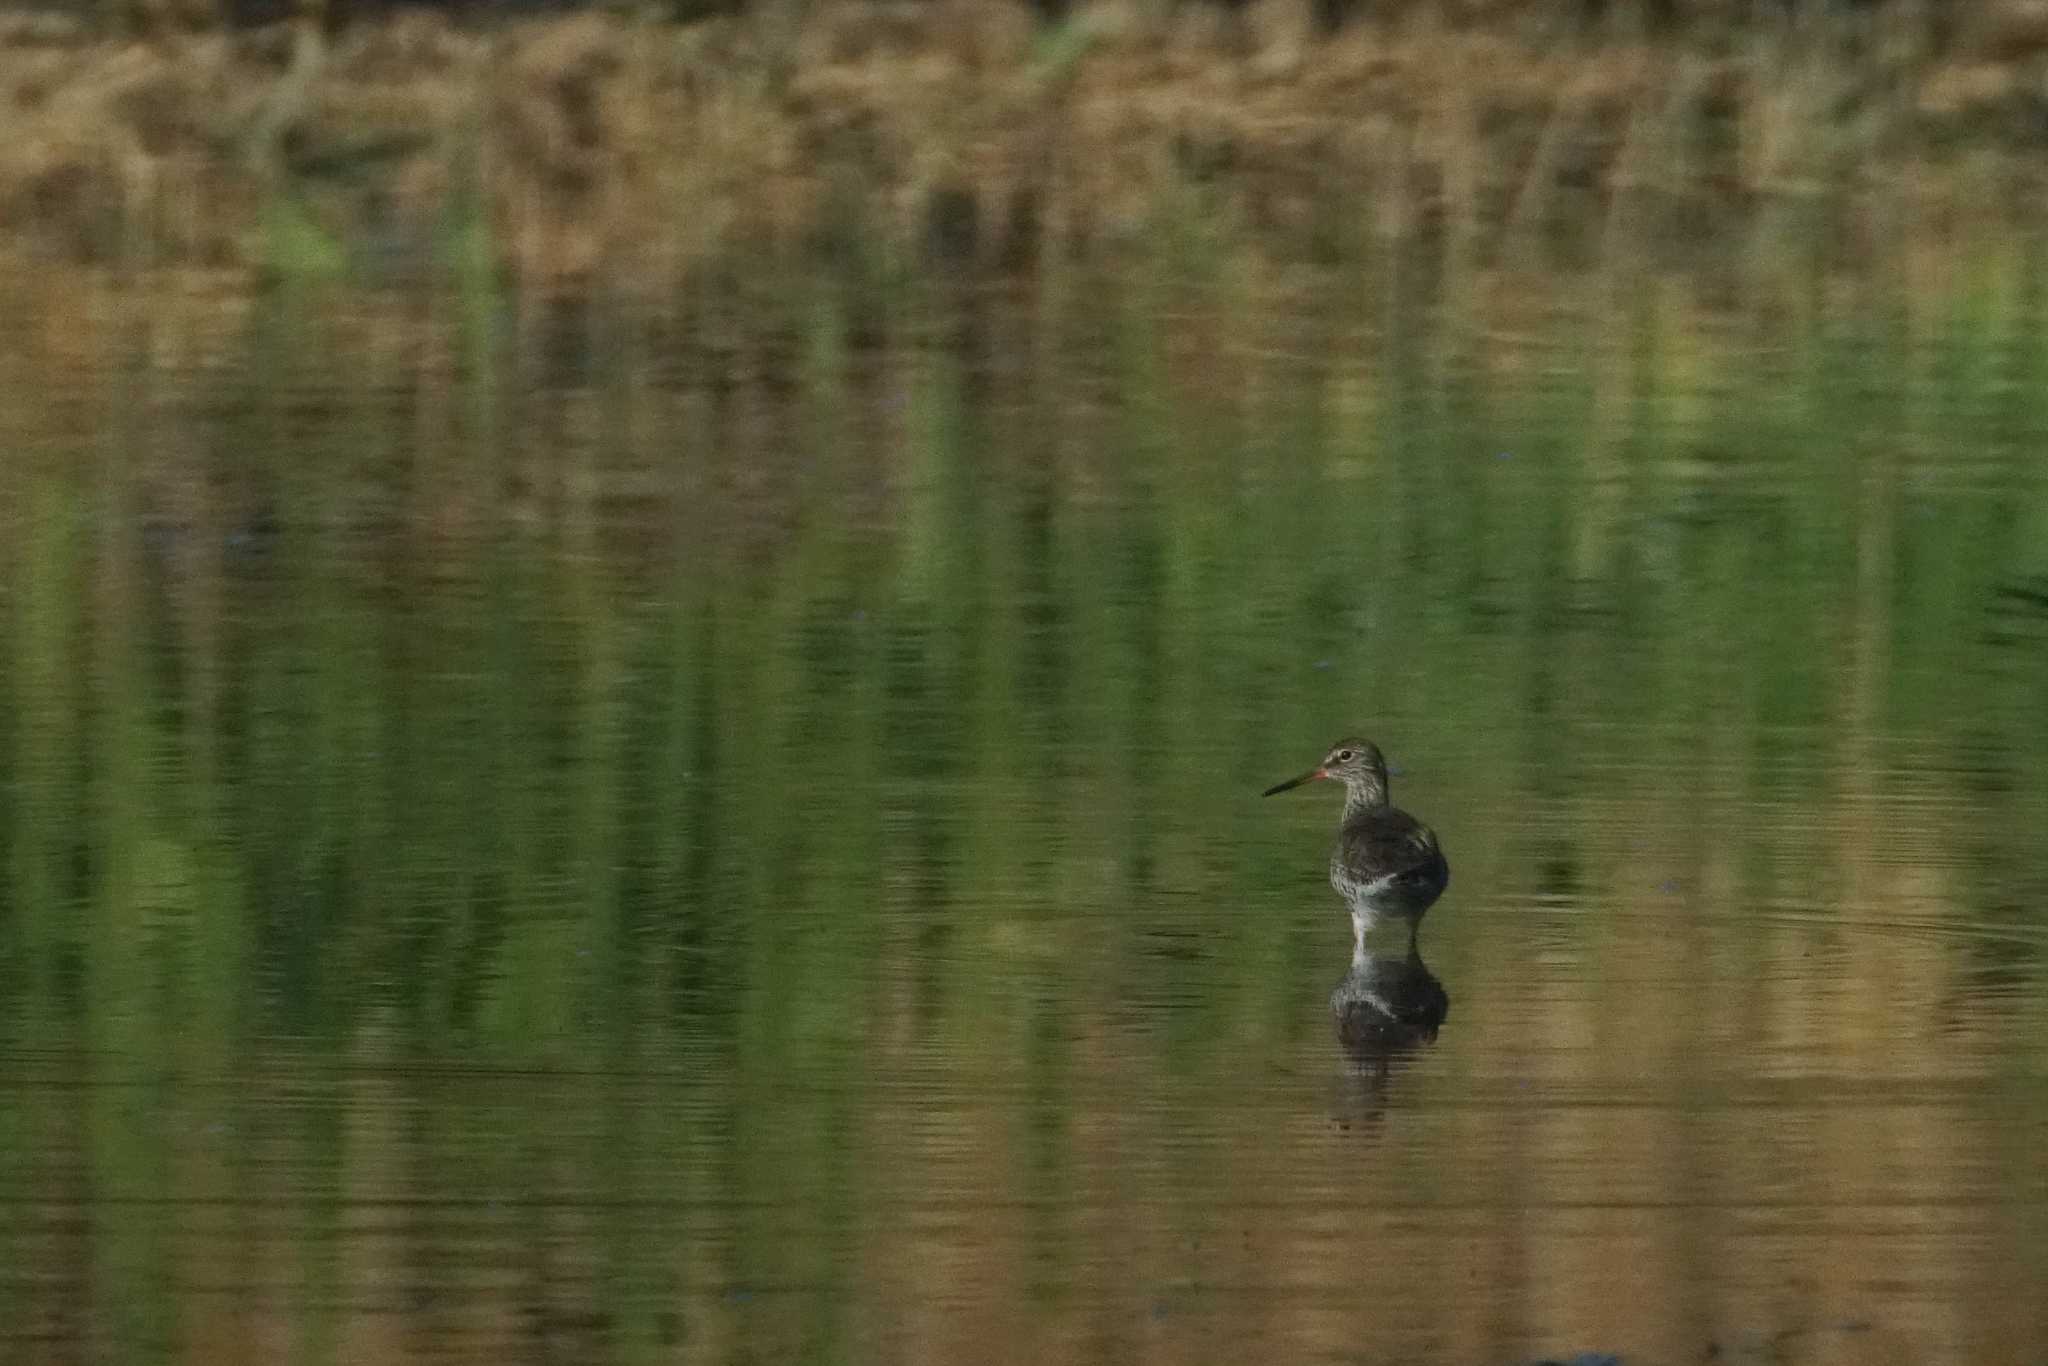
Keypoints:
(1744, 160)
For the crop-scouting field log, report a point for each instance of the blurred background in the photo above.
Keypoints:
(637, 645)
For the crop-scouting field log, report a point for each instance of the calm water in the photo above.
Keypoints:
(528, 840)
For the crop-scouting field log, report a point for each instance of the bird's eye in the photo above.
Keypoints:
(1343, 756)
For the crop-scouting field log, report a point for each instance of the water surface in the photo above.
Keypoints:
(524, 841)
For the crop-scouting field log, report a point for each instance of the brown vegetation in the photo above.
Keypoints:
(977, 134)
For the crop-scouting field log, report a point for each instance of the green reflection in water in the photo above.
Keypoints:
(528, 830)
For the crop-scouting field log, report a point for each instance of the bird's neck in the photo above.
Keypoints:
(1360, 798)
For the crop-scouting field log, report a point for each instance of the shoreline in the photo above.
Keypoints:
(979, 141)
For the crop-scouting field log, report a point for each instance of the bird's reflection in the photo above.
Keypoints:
(1387, 1006)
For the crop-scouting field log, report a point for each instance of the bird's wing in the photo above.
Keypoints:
(1394, 844)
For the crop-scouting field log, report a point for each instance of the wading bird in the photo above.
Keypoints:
(1386, 862)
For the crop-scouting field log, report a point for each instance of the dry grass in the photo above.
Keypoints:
(638, 150)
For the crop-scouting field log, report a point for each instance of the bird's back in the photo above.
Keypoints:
(1387, 857)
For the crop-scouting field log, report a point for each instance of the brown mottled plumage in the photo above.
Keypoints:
(1386, 862)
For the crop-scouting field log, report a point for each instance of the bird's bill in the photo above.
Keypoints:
(1307, 777)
